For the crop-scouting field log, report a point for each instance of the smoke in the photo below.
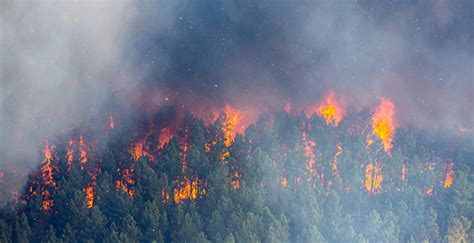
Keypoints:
(62, 63)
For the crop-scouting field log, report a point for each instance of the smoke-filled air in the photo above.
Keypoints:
(237, 121)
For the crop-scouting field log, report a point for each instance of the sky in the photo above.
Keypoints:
(63, 64)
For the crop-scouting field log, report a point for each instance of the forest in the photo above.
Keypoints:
(285, 177)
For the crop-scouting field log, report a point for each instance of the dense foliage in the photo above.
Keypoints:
(262, 191)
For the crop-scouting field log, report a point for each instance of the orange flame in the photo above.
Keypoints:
(164, 137)
(82, 151)
(229, 127)
(383, 123)
(89, 196)
(137, 150)
(284, 182)
(47, 172)
(373, 178)
(235, 182)
(449, 175)
(187, 189)
(69, 153)
(332, 110)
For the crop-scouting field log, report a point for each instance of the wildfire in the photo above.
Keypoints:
(235, 182)
(89, 196)
(332, 110)
(229, 127)
(187, 189)
(70, 152)
(164, 137)
(284, 182)
(383, 123)
(309, 151)
(82, 151)
(126, 182)
(373, 178)
(137, 150)
(449, 175)
(47, 172)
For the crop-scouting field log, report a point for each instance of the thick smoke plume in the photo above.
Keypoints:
(63, 64)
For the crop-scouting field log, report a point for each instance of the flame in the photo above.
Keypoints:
(284, 182)
(383, 123)
(47, 200)
(229, 126)
(449, 175)
(70, 153)
(137, 150)
(373, 178)
(82, 151)
(164, 137)
(126, 182)
(332, 110)
(187, 189)
(235, 182)
(46, 168)
(89, 196)
(47, 172)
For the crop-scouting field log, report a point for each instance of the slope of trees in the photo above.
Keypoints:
(269, 185)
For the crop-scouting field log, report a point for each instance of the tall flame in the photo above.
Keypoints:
(383, 123)
(332, 110)
(47, 172)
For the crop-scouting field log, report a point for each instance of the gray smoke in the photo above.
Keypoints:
(62, 62)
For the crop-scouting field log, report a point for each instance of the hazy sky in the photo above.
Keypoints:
(64, 63)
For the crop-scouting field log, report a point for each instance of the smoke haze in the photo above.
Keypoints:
(65, 63)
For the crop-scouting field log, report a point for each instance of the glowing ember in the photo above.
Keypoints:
(332, 110)
(449, 175)
(383, 123)
(373, 178)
